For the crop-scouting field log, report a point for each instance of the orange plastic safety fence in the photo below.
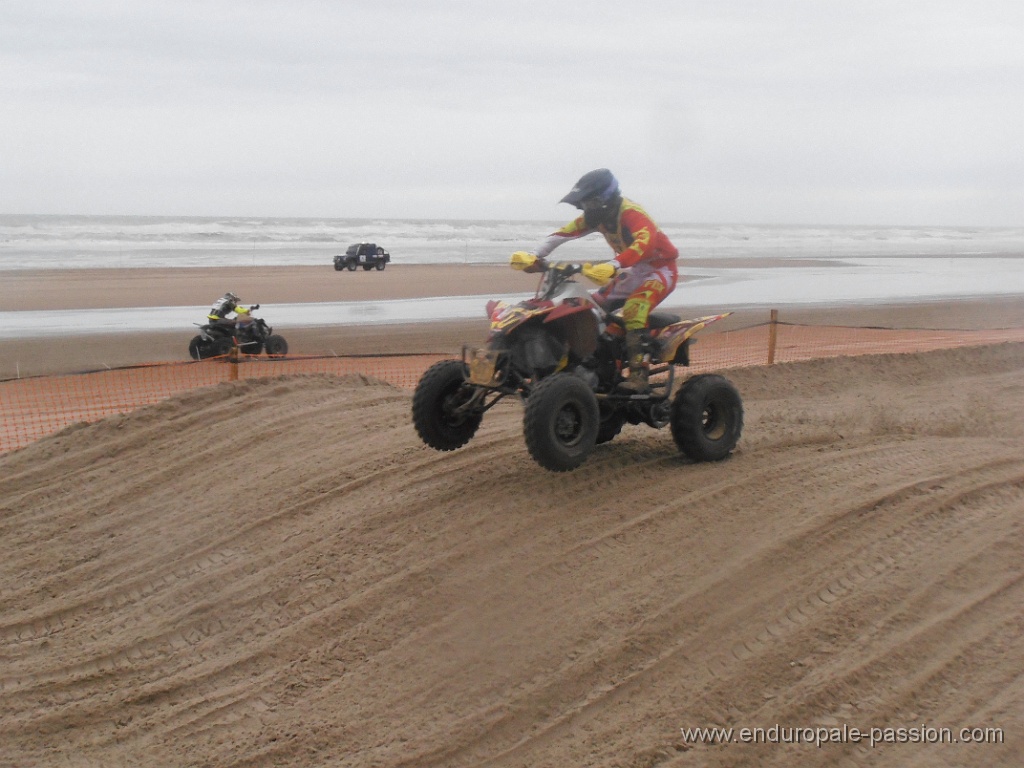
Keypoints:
(36, 407)
(753, 345)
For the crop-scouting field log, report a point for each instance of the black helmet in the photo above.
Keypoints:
(231, 297)
(599, 185)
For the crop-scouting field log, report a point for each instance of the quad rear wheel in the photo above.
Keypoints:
(201, 349)
(707, 418)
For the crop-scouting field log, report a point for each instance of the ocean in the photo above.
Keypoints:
(79, 242)
(739, 267)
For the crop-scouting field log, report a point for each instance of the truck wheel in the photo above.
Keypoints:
(337, 267)
(561, 422)
(380, 265)
(440, 392)
(351, 266)
(707, 417)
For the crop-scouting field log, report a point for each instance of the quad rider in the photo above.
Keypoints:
(224, 306)
(640, 276)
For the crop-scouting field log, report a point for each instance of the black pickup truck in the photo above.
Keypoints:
(366, 255)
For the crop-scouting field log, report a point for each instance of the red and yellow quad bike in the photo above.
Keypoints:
(563, 354)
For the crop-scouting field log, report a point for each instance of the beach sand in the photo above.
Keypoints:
(277, 572)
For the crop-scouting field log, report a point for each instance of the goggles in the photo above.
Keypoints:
(592, 204)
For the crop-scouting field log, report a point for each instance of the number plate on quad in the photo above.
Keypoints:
(483, 366)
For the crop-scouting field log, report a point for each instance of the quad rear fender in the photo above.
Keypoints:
(675, 335)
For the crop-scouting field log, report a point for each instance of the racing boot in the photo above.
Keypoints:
(635, 349)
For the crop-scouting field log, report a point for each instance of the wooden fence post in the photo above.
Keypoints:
(773, 328)
(233, 362)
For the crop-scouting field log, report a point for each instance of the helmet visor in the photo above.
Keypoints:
(600, 186)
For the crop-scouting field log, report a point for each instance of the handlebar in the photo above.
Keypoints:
(531, 263)
(566, 268)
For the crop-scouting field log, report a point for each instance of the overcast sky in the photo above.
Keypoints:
(755, 111)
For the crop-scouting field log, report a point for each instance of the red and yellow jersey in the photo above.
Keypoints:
(634, 238)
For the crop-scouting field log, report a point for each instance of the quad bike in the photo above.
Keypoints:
(563, 355)
(251, 335)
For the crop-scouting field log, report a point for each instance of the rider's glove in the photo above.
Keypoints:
(601, 273)
(521, 260)
(527, 262)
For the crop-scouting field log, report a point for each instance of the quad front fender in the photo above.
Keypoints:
(578, 326)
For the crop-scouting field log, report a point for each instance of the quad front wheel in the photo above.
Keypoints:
(707, 417)
(561, 422)
(440, 410)
(276, 345)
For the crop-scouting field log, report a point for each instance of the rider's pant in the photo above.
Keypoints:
(643, 287)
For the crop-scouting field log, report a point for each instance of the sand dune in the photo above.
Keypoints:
(277, 572)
